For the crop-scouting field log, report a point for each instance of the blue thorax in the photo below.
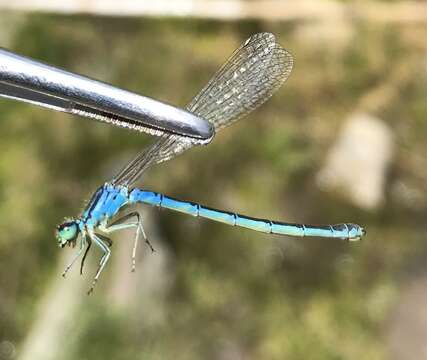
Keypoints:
(105, 203)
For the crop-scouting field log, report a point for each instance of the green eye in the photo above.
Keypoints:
(66, 232)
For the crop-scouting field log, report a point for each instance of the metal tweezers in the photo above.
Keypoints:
(30, 81)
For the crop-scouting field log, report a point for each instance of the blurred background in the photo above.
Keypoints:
(344, 140)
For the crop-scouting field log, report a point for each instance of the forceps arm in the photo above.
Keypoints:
(27, 80)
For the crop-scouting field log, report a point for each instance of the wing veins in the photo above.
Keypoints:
(239, 95)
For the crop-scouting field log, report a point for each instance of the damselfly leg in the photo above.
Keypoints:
(124, 223)
(104, 258)
(105, 239)
(82, 245)
(89, 244)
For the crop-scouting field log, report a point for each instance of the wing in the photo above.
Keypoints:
(252, 74)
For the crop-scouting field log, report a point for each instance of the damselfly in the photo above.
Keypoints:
(252, 74)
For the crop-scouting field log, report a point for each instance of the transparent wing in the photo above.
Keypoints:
(252, 74)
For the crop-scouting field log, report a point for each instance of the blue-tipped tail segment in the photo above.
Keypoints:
(351, 232)
(355, 232)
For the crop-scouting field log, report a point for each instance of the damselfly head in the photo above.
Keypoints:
(67, 233)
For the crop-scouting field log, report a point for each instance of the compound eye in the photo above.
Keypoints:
(67, 231)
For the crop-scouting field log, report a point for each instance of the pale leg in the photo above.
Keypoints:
(89, 244)
(121, 224)
(104, 258)
(79, 252)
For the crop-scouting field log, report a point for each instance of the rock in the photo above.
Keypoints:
(357, 163)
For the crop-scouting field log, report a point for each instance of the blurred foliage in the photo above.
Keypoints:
(236, 294)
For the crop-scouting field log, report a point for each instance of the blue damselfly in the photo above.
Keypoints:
(252, 74)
